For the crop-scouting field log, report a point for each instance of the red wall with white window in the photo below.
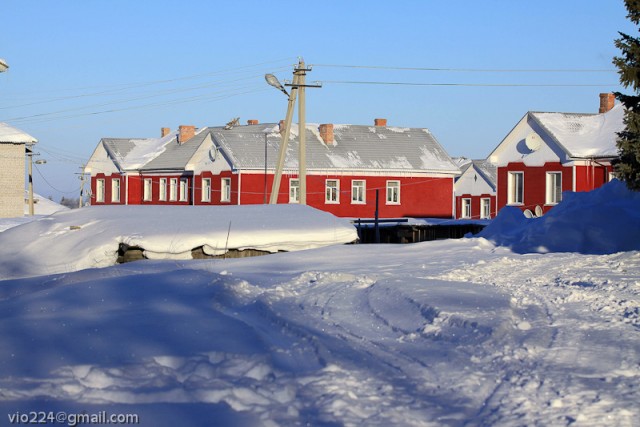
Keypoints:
(475, 205)
(108, 186)
(535, 183)
(419, 196)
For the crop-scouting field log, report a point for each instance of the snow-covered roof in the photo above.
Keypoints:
(175, 156)
(133, 153)
(14, 135)
(584, 135)
(356, 147)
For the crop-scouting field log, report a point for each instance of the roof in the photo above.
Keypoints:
(133, 153)
(356, 148)
(14, 135)
(483, 166)
(584, 135)
(175, 156)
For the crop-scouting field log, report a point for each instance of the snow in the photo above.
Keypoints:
(42, 205)
(455, 333)
(602, 221)
(586, 135)
(90, 237)
(14, 135)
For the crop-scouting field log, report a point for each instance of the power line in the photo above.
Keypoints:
(468, 70)
(469, 84)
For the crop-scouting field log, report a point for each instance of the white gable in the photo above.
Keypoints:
(100, 162)
(513, 147)
(14, 135)
(209, 158)
(473, 182)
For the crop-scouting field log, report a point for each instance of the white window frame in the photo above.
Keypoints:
(553, 193)
(100, 190)
(466, 208)
(225, 189)
(393, 193)
(173, 189)
(485, 208)
(115, 190)
(206, 190)
(294, 190)
(515, 197)
(332, 191)
(162, 190)
(184, 189)
(147, 190)
(358, 192)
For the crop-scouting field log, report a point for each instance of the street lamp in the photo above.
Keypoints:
(3, 65)
(273, 81)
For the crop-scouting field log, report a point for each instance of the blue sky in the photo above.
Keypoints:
(83, 70)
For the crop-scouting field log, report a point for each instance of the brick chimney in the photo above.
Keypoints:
(252, 122)
(185, 133)
(380, 122)
(281, 126)
(607, 101)
(326, 133)
(164, 132)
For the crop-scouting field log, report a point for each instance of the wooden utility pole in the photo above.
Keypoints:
(298, 85)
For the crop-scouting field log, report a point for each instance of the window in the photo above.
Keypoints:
(173, 189)
(115, 190)
(554, 188)
(294, 190)
(466, 208)
(358, 191)
(206, 189)
(515, 190)
(163, 189)
(100, 191)
(147, 190)
(184, 189)
(332, 191)
(225, 190)
(393, 192)
(485, 208)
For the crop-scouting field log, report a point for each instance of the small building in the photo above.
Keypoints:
(546, 154)
(13, 143)
(234, 165)
(475, 189)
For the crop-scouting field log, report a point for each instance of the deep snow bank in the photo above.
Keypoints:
(89, 237)
(602, 221)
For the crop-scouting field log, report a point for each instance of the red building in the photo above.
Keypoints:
(547, 154)
(475, 189)
(346, 166)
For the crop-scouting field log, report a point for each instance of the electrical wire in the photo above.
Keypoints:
(468, 84)
(467, 70)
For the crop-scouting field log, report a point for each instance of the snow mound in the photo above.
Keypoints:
(90, 237)
(602, 221)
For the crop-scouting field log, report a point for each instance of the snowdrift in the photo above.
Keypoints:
(602, 221)
(90, 237)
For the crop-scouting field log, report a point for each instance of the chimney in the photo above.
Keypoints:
(380, 122)
(281, 126)
(185, 133)
(164, 132)
(326, 133)
(607, 101)
(252, 122)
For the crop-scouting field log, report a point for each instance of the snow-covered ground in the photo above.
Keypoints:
(454, 333)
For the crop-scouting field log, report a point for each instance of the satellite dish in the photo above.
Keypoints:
(533, 141)
(528, 213)
(539, 211)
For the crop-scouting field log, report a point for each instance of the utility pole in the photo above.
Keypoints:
(81, 177)
(298, 85)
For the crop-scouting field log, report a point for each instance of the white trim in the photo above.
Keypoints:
(363, 192)
(225, 190)
(162, 189)
(184, 190)
(239, 185)
(100, 185)
(482, 200)
(126, 193)
(202, 192)
(115, 193)
(147, 196)
(465, 213)
(173, 189)
(549, 189)
(297, 192)
(386, 193)
(511, 189)
(327, 201)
